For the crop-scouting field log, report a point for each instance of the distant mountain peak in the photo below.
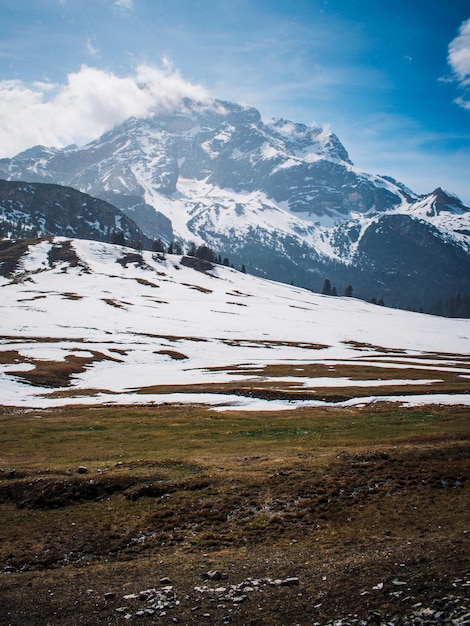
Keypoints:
(440, 201)
(448, 197)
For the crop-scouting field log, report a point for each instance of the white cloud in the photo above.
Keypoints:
(459, 61)
(464, 103)
(91, 102)
(459, 53)
(124, 4)
(90, 48)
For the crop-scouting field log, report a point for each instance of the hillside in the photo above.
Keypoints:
(92, 322)
(39, 209)
(185, 443)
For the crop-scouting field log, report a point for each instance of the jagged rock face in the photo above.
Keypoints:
(229, 146)
(280, 197)
(38, 209)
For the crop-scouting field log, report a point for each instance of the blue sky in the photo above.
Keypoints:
(391, 79)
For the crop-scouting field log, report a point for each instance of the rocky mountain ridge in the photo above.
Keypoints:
(29, 210)
(282, 198)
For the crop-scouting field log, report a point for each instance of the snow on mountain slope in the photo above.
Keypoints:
(301, 174)
(444, 211)
(282, 198)
(91, 322)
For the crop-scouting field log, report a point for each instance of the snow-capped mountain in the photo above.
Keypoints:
(89, 322)
(282, 198)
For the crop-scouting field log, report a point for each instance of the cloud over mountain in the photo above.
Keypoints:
(91, 102)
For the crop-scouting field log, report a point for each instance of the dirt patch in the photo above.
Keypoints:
(72, 296)
(52, 492)
(273, 344)
(238, 293)
(146, 283)
(197, 288)
(64, 252)
(11, 252)
(131, 257)
(363, 346)
(58, 373)
(176, 356)
(116, 304)
(370, 536)
(200, 265)
(8, 357)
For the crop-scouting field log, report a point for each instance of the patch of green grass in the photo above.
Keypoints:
(62, 438)
(279, 432)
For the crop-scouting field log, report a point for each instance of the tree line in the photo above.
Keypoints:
(203, 251)
(330, 290)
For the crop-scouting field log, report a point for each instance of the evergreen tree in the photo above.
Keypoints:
(206, 253)
(118, 238)
(175, 247)
(326, 291)
(138, 245)
(158, 246)
(191, 249)
(348, 292)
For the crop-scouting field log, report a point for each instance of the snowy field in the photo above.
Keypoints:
(91, 328)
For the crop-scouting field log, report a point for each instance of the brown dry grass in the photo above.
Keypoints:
(272, 381)
(11, 252)
(53, 373)
(342, 498)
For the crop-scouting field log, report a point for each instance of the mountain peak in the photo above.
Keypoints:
(442, 200)
(280, 197)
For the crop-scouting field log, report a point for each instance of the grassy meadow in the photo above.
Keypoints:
(98, 504)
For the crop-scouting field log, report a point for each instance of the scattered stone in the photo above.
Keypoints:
(290, 582)
(109, 595)
(450, 611)
(444, 611)
(82, 469)
(239, 599)
(214, 575)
